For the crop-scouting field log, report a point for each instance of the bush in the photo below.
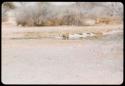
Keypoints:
(30, 15)
(6, 7)
(81, 13)
(4, 14)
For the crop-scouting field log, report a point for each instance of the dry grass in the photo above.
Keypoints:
(108, 20)
(12, 31)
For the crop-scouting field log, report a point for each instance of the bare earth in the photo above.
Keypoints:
(49, 61)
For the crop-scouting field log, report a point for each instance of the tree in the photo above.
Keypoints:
(8, 5)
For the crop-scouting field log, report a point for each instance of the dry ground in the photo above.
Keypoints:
(49, 61)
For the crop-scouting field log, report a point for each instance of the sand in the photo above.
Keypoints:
(49, 61)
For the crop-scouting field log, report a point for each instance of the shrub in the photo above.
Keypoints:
(81, 13)
(30, 15)
(6, 7)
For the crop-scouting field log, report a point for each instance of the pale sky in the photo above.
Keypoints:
(62, 3)
(54, 3)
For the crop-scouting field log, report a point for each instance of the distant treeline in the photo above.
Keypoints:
(79, 13)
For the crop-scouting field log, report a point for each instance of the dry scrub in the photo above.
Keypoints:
(78, 14)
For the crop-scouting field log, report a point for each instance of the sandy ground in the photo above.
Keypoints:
(48, 61)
